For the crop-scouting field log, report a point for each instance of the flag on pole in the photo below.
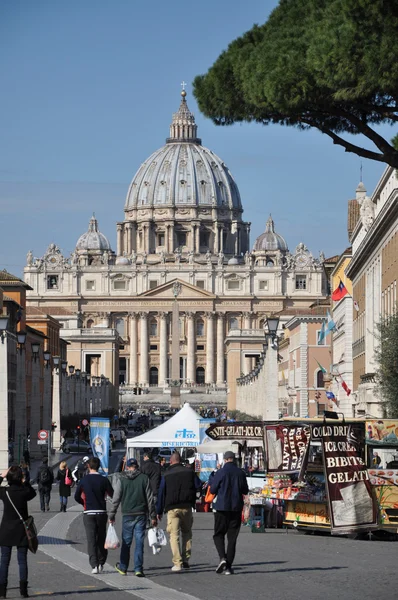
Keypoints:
(345, 387)
(356, 305)
(331, 324)
(321, 368)
(339, 292)
(322, 333)
(330, 396)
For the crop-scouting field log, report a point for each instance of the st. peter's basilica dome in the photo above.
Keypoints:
(183, 172)
(270, 240)
(93, 239)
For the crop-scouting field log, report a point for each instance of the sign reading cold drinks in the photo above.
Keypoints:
(351, 502)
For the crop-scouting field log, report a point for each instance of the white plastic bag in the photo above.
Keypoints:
(156, 539)
(111, 541)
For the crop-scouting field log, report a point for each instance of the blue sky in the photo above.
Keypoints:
(88, 93)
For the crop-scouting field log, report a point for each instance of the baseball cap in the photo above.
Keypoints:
(228, 455)
(132, 463)
(85, 458)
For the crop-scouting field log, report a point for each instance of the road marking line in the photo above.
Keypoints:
(53, 542)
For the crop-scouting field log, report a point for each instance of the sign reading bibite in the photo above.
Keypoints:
(351, 502)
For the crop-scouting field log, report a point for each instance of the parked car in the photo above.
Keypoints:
(76, 446)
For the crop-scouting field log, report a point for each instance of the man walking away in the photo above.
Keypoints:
(133, 491)
(153, 470)
(91, 492)
(230, 485)
(45, 480)
(177, 497)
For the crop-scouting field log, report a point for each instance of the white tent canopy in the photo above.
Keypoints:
(180, 431)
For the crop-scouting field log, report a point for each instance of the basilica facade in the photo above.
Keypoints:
(183, 223)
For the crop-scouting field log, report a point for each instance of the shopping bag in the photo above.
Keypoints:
(209, 496)
(68, 478)
(156, 539)
(111, 541)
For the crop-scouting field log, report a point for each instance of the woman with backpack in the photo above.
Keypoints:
(64, 477)
(15, 498)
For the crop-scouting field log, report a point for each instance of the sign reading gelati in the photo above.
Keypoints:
(351, 502)
(234, 431)
(287, 448)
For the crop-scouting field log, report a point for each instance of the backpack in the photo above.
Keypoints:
(45, 475)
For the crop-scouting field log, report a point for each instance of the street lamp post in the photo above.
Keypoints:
(56, 404)
(271, 367)
(3, 393)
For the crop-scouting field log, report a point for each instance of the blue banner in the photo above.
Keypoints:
(208, 462)
(99, 438)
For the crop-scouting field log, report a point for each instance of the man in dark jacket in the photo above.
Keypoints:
(45, 480)
(177, 497)
(133, 491)
(230, 485)
(91, 492)
(153, 470)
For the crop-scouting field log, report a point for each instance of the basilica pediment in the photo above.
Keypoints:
(183, 290)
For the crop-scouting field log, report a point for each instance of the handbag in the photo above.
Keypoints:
(30, 528)
(209, 496)
(68, 478)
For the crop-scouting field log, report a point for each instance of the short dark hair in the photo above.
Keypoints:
(148, 454)
(94, 463)
(175, 457)
(14, 475)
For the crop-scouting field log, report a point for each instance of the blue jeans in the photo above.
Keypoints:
(64, 500)
(133, 527)
(22, 554)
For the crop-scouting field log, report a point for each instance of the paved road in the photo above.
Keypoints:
(274, 565)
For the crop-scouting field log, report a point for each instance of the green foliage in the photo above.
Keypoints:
(237, 415)
(329, 64)
(387, 358)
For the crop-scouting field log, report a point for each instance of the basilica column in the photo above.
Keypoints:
(197, 240)
(191, 347)
(119, 249)
(133, 378)
(216, 239)
(210, 348)
(246, 325)
(127, 237)
(163, 357)
(220, 348)
(171, 238)
(144, 349)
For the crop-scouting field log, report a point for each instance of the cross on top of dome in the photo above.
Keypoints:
(183, 127)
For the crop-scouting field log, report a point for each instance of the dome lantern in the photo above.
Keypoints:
(183, 127)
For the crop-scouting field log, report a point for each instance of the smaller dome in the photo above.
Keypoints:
(270, 240)
(122, 260)
(93, 239)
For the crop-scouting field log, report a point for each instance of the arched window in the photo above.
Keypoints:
(153, 376)
(261, 324)
(233, 323)
(319, 379)
(269, 262)
(153, 328)
(89, 324)
(200, 375)
(200, 328)
(119, 325)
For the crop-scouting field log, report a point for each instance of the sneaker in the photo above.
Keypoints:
(229, 571)
(185, 564)
(100, 568)
(95, 571)
(222, 566)
(176, 568)
(119, 570)
(139, 574)
(48, 508)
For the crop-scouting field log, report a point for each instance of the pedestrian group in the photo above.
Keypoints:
(143, 495)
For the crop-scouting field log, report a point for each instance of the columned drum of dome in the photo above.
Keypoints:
(183, 197)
